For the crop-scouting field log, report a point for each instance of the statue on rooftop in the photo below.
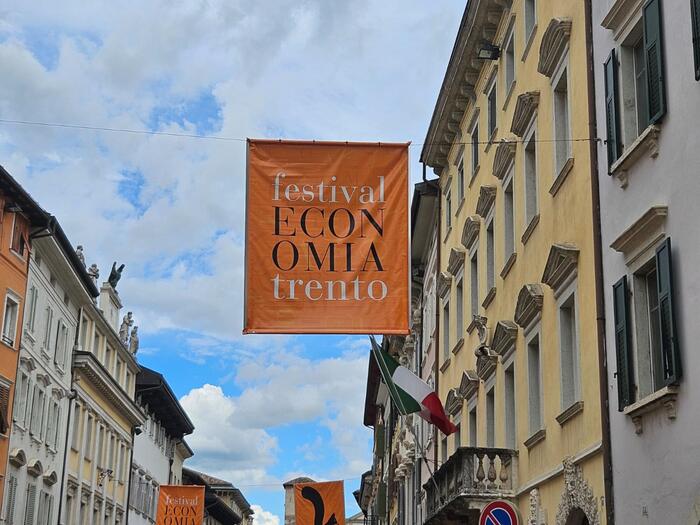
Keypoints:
(134, 340)
(80, 254)
(94, 273)
(115, 275)
(124, 329)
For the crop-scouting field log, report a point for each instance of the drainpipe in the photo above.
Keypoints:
(436, 348)
(598, 264)
(128, 479)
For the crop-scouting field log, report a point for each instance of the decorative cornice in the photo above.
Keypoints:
(28, 363)
(504, 337)
(456, 260)
(561, 265)
(503, 158)
(444, 283)
(469, 384)
(454, 401)
(652, 220)
(487, 196)
(529, 304)
(553, 45)
(486, 362)
(525, 109)
(470, 232)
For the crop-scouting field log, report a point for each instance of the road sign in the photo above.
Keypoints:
(499, 513)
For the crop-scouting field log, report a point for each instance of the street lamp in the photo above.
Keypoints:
(488, 51)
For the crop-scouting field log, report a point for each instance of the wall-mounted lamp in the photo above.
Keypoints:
(137, 430)
(488, 51)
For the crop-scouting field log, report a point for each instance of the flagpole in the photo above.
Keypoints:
(382, 365)
(427, 464)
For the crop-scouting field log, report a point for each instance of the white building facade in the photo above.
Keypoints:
(647, 66)
(57, 288)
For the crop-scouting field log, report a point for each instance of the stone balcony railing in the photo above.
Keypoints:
(467, 480)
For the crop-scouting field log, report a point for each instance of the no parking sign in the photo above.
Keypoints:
(499, 513)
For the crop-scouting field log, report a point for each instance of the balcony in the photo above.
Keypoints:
(470, 478)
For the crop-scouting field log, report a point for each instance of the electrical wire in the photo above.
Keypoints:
(240, 139)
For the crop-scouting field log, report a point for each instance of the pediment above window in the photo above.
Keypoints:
(50, 478)
(27, 363)
(529, 304)
(554, 43)
(454, 401)
(504, 336)
(17, 457)
(35, 468)
(525, 108)
(470, 232)
(44, 379)
(487, 196)
(644, 232)
(561, 266)
(469, 385)
(456, 261)
(504, 158)
(444, 283)
(486, 361)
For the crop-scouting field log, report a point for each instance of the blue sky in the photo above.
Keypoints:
(266, 408)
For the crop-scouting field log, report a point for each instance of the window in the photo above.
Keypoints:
(108, 358)
(443, 449)
(9, 325)
(61, 344)
(530, 18)
(531, 205)
(656, 361)
(568, 351)
(458, 434)
(83, 335)
(635, 85)
(88, 438)
(448, 207)
(509, 59)
(96, 344)
(534, 384)
(99, 451)
(472, 427)
(77, 428)
(475, 148)
(460, 174)
(474, 265)
(493, 111)
(695, 21)
(32, 297)
(30, 505)
(510, 406)
(459, 321)
(118, 370)
(446, 331)
(20, 406)
(4, 408)
(490, 258)
(490, 419)
(52, 424)
(562, 127)
(509, 218)
(11, 499)
(47, 329)
(45, 509)
(19, 243)
(37, 414)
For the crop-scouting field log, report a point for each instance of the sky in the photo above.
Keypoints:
(266, 408)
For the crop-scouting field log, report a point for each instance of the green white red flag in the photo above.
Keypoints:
(409, 392)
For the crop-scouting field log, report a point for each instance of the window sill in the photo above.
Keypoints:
(646, 143)
(474, 174)
(29, 336)
(461, 205)
(492, 139)
(570, 413)
(509, 92)
(472, 325)
(44, 354)
(530, 228)
(9, 344)
(456, 348)
(445, 365)
(489, 297)
(447, 234)
(535, 438)
(508, 265)
(529, 42)
(18, 255)
(665, 397)
(563, 174)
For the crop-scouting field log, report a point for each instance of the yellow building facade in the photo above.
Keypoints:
(518, 350)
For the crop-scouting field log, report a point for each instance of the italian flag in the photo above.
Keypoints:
(409, 392)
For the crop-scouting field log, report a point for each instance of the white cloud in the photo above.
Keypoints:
(263, 517)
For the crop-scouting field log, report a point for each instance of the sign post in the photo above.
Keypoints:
(499, 513)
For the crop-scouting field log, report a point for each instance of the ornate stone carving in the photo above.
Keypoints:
(470, 232)
(80, 254)
(94, 273)
(487, 196)
(17, 457)
(554, 42)
(134, 340)
(577, 495)
(444, 283)
(35, 468)
(50, 477)
(504, 336)
(469, 384)
(486, 361)
(529, 304)
(456, 260)
(561, 264)
(124, 329)
(536, 516)
(454, 401)
(504, 158)
(115, 275)
(525, 108)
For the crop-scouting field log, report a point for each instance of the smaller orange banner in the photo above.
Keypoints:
(319, 503)
(181, 505)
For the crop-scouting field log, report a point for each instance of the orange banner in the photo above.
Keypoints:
(327, 238)
(181, 505)
(319, 503)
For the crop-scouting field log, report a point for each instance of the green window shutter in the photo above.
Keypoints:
(654, 54)
(670, 349)
(379, 440)
(611, 110)
(623, 348)
(381, 500)
(31, 502)
(11, 497)
(695, 20)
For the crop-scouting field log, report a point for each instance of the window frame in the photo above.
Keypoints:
(16, 299)
(535, 333)
(562, 73)
(530, 138)
(570, 295)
